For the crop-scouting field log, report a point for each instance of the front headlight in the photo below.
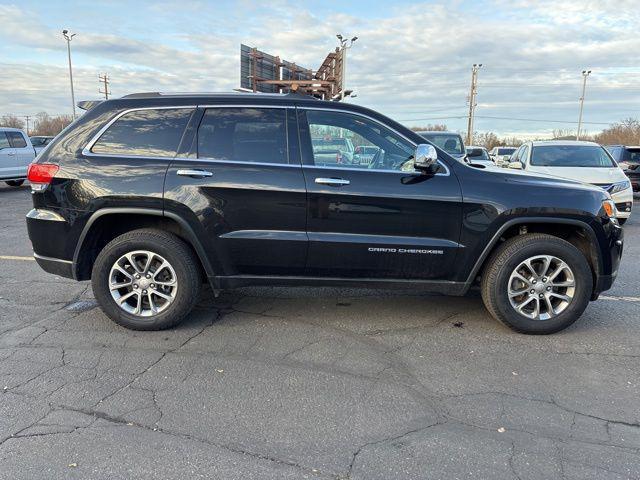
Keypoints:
(620, 186)
(609, 208)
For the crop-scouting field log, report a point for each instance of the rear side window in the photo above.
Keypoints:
(146, 133)
(4, 141)
(16, 139)
(244, 135)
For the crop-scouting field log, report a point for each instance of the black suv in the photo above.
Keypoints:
(151, 194)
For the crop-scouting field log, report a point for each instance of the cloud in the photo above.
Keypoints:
(412, 63)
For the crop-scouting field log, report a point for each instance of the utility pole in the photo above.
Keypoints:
(104, 79)
(27, 117)
(585, 74)
(472, 100)
(68, 38)
(344, 46)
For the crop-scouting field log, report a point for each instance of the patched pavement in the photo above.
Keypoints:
(310, 383)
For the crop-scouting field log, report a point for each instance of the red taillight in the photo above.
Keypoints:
(338, 157)
(41, 172)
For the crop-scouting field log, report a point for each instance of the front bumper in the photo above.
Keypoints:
(612, 253)
(624, 202)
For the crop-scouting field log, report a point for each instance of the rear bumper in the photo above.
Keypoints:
(56, 266)
(49, 232)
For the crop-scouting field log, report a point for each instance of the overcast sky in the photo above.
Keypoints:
(412, 60)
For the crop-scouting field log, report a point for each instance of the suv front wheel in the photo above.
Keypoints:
(146, 280)
(537, 284)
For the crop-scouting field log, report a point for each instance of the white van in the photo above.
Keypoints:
(585, 162)
(16, 153)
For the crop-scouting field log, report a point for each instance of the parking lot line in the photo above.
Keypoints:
(15, 257)
(624, 299)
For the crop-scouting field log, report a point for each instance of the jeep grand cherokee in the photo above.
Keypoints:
(151, 195)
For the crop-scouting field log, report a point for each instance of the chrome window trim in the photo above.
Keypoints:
(238, 162)
(350, 169)
(86, 151)
(342, 110)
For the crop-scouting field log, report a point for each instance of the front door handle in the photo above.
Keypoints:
(333, 182)
(195, 173)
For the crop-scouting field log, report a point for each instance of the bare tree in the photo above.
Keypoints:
(431, 128)
(11, 121)
(626, 132)
(51, 126)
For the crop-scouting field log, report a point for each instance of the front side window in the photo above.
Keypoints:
(339, 139)
(16, 140)
(244, 135)
(570, 156)
(146, 133)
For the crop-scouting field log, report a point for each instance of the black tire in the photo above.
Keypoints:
(622, 221)
(175, 251)
(14, 183)
(506, 258)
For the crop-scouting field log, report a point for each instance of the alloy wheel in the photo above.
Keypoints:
(541, 287)
(143, 283)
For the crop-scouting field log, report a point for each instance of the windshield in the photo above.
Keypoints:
(571, 156)
(634, 155)
(477, 154)
(39, 141)
(451, 143)
(506, 151)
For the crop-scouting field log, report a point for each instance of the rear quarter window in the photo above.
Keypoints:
(146, 133)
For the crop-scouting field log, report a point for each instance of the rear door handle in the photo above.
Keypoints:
(195, 173)
(333, 182)
(11, 154)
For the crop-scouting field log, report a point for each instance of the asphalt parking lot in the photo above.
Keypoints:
(311, 383)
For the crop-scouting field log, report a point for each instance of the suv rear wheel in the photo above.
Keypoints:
(146, 280)
(537, 284)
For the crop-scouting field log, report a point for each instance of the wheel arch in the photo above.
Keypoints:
(577, 232)
(107, 223)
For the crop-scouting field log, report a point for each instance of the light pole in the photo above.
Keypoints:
(344, 46)
(585, 74)
(68, 38)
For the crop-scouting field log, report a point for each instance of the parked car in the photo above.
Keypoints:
(39, 142)
(479, 156)
(16, 153)
(149, 194)
(450, 142)
(502, 155)
(331, 150)
(363, 154)
(582, 161)
(628, 159)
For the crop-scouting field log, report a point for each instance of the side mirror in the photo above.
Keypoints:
(426, 157)
(515, 165)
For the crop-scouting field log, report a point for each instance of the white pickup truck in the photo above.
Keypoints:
(16, 153)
